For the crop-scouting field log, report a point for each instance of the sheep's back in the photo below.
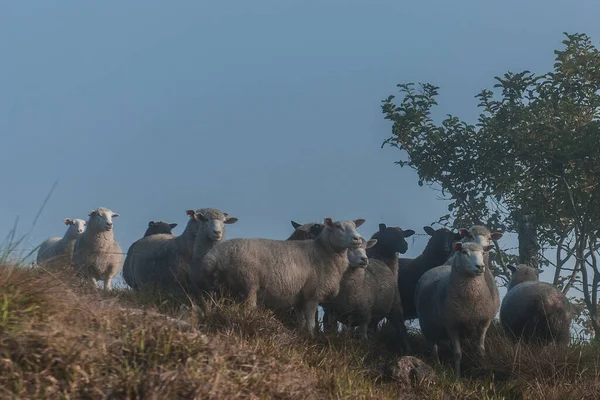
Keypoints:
(280, 269)
(409, 274)
(48, 249)
(537, 310)
(430, 297)
(154, 259)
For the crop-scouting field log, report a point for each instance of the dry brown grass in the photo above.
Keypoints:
(59, 339)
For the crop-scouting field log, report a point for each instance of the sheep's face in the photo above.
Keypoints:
(343, 234)
(357, 258)
(393, 238)
(159, 227)
(479, 234)
(76, 226)
(306, 231)
(212, 224)
(442, 239)
(102, 219)
(470, 258)
(522, 273)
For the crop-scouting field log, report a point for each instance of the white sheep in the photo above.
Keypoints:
(58, 251)
(535, 311)
(283, 274)
(211, 230)
(97, 255)
(368, 289)
(455, 301)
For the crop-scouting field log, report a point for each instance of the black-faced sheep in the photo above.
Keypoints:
(283, 274)
(306, 231)
(97, 255)
(158, 227)
(535, 311)
(454, 301)
(57, 252)
(437, 251)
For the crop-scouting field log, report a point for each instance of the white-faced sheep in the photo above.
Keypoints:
(154, 228)
(283, 274)
(368, 291)
(58, 251)
(158, 227)
(535, 311)
(454, 301)
(97, 255)
(211, 230)
(437, 251)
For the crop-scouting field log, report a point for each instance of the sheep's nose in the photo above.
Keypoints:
(480, 267)
(356, 238)
(364, 260)
(109, 223)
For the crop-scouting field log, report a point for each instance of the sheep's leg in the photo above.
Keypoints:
(456, 350)
(107, 284)
(435, 353)
(403, 332)
(94, 283)
(251, 299)
(317, 325)
(482, 334)
(362, 331)
(309, 320)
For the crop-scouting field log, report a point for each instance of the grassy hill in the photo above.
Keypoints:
(61, 340)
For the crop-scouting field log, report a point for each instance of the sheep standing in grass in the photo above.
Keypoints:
(535, 311)
(455, 301)
(211, 230)
(283, 274)
(154, 228)
(437, 251)
(158, 259)
(58, 251)
(368, 291)
(306, 231)
(158, 227)
(97, 255)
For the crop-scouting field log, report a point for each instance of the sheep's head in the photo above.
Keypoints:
(159, 227)
(357, 258)
(442, 239)
(101, 219)
(212, 223)
(393, 238)
(522, 273)
(306, 231)
(469, 257)
(479, 234)
(75, 226)
(343, 234)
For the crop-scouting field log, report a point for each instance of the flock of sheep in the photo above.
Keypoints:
(449, 287)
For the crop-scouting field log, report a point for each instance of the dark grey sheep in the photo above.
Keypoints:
(535, 311)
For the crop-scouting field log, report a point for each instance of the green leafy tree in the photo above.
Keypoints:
(530, 165)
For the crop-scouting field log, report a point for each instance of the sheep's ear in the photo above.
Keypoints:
(464, 232)
(231, 220)
(172, 226)
(382, 228)
(429, 230)
(93, 212)
(488, 248)
(191, 213)
(68, 221)
(328, 222)
(115, 215)
(296, 225)
(458, 246)
(496, 235)
(359, 222)
(371, 243)
(408, 233)
(151, 223)
(512, 268)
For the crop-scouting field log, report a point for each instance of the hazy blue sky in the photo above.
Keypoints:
(268, 110)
